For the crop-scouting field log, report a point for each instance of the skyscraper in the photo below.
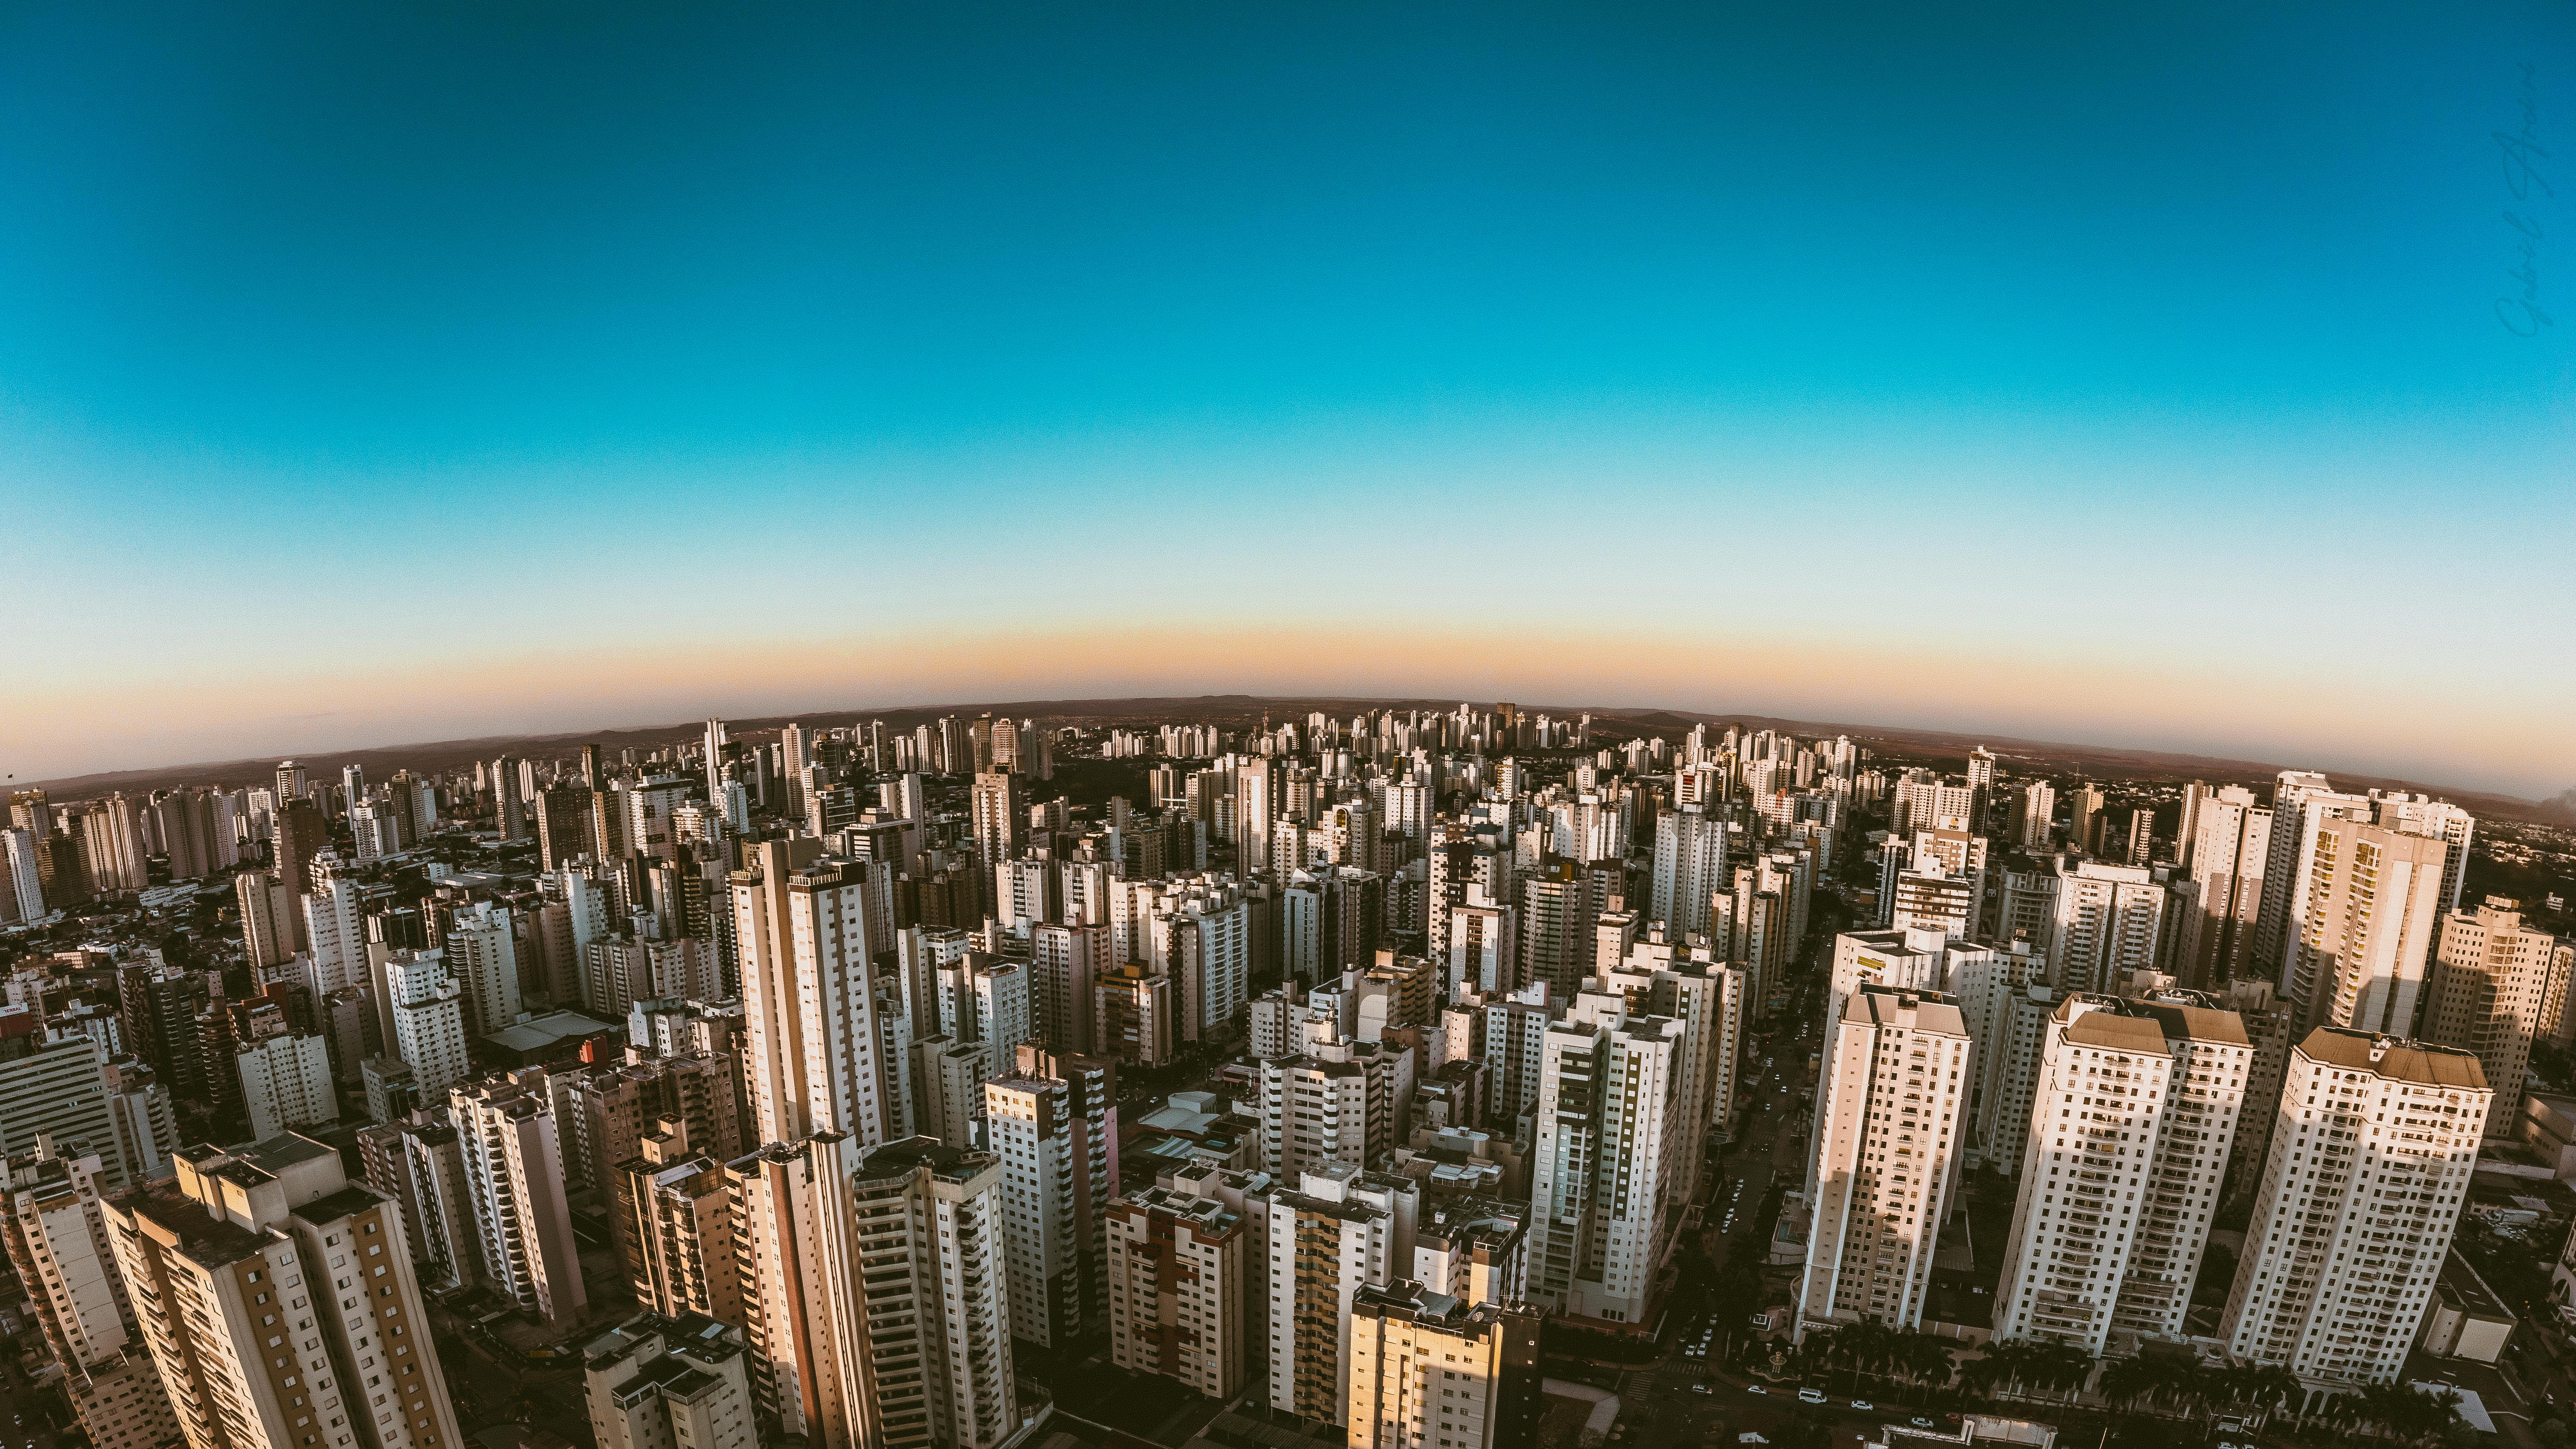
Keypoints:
(2365, 925)
(1030, 1128)
(231, 1241)
(2135, 1107)
(298, 834)
(1000, 817)
(1610, 1120)
(2368, 1171)
(935, 1350)
(2033, 813)
(426, 1005)
(1888, 1137)
(1430, 1370)
(1334, 1234)
(515, 1174)
(286, 1083)
(1064, 963)
(1178, 1289)
(2102, 924)
(2084, 819)
(54, 1083)
(2494, 979)
(2230, 850)
(655, 1381)
(812, 1030)
(509, 807)
(57, 1241)
(1690, 869)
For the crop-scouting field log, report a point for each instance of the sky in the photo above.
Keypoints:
(373, 374)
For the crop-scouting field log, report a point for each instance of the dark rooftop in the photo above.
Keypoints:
(338, 1205)
(211, 1241)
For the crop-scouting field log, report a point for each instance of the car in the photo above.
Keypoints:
(1919, 1422)
(1702, 1389)
(1811, 1396)
(1755, 1389)
(1863, 1404)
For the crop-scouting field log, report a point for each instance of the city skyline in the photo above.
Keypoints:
(2120, 379)
(1136, 727)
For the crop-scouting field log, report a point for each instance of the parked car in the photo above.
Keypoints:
(1811, 1396)
(1755, 1389)
(1863, 1404)
(1919, 1422)
(1702, 1389)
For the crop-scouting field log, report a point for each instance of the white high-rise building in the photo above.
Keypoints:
(57, 1241)
(482, 953)
(1924, 801)
(1334, 1101)
(20, 874)
(2301, 800)
(60, 1087)
(1709, 999)
(2034, 809)
(2134, 1111)
(286, 1083)
(1690, 870)
(2370, 1164)
(2229, 851)
(1337, 1232)
(2004, 998)
(2444, 821)
(1199, 931)
(653, 1382)
(232, 1240)
(1890, 1129)
(2103, 925)
(1065, 961)
(936, 1360)
(2494, 982)
(987, 999)
(428, 1019)
(1910, 960)
(1029, 1125)
(804, 1324)
(815, 1045)
(514, 1171)
(1428, 1370)
(334, 931)
(2365, 925)
(1610, 1124)
(1188, 1324)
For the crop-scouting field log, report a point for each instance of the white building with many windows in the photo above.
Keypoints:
(1890, 1128)
(2371, 1157)
(2133, 1112)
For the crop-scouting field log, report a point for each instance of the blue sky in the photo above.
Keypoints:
(2059, 348)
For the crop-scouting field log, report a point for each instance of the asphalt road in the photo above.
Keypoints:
(28, 1414)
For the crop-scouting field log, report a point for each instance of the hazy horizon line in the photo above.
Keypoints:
(772, 719)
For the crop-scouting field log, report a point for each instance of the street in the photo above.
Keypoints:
(31, 1411)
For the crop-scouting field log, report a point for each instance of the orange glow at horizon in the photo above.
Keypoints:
(222, 715)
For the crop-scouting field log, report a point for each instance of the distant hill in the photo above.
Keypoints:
(1897, 742)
